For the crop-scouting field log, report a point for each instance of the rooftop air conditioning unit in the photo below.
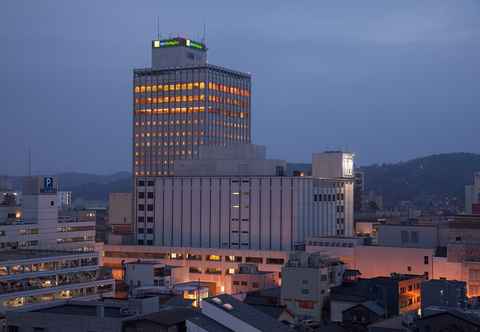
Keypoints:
(217, 300)
(228, 306)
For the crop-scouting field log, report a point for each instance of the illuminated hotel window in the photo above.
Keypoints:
(211, 270)
(177, 256)
(214, 258)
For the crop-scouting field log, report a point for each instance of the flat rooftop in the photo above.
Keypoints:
(208, 324)
(21, 254)
(83, 310)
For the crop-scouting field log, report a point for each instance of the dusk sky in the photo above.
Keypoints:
(388, 80)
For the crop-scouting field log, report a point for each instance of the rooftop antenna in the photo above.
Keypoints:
(29, 162)
(158, 28)
(204, 37)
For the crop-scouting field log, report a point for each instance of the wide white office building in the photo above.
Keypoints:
(241, 210)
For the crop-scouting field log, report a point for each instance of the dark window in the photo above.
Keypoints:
(244, 283)
(140, 242)
(141, 219)
(409, 268)
(13, 328)
(150, 195)
(150, 230)
(141, 194)
(52, 203)
(195, 270)
(426, 275)
(425, 260)
(233, 258)
(305, 291)
(141, 207)
(149, 242)
(141, 230)
(236, 283)
(258, 260)
(279, 261)
(151, 183)
(150, 207)
(141, 183)
(255, 284)
(149, 219)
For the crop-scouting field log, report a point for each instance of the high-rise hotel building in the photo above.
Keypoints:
(181, 103)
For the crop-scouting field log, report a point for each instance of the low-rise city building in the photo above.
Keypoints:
(247, 278)
(64, 199)
(84, 316)
(448, 320)
(154, 274)
(444, 293)
(39, 224)
(204, 264)
(30, 279)
(472, 196)
(306, 282)
(396, 295)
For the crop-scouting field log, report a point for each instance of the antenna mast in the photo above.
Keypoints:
(158, 28)
(204, 38)
(29, 162)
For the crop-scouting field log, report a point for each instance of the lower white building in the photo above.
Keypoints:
(242, 212)
(233, 197)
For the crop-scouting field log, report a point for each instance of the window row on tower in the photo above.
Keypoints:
(148, 88)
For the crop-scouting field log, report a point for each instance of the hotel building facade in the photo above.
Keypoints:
(181, 103)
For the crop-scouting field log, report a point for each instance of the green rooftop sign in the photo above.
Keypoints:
(178, 42)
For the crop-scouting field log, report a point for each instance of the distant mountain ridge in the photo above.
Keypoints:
(422, 180)
(436, 177)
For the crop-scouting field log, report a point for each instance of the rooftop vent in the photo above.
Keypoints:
(228, 306)
(217, 300)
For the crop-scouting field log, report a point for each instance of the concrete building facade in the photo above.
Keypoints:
(203, 264)
(38, 222)
(306, 282)
(241, 212)
(472, 195)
